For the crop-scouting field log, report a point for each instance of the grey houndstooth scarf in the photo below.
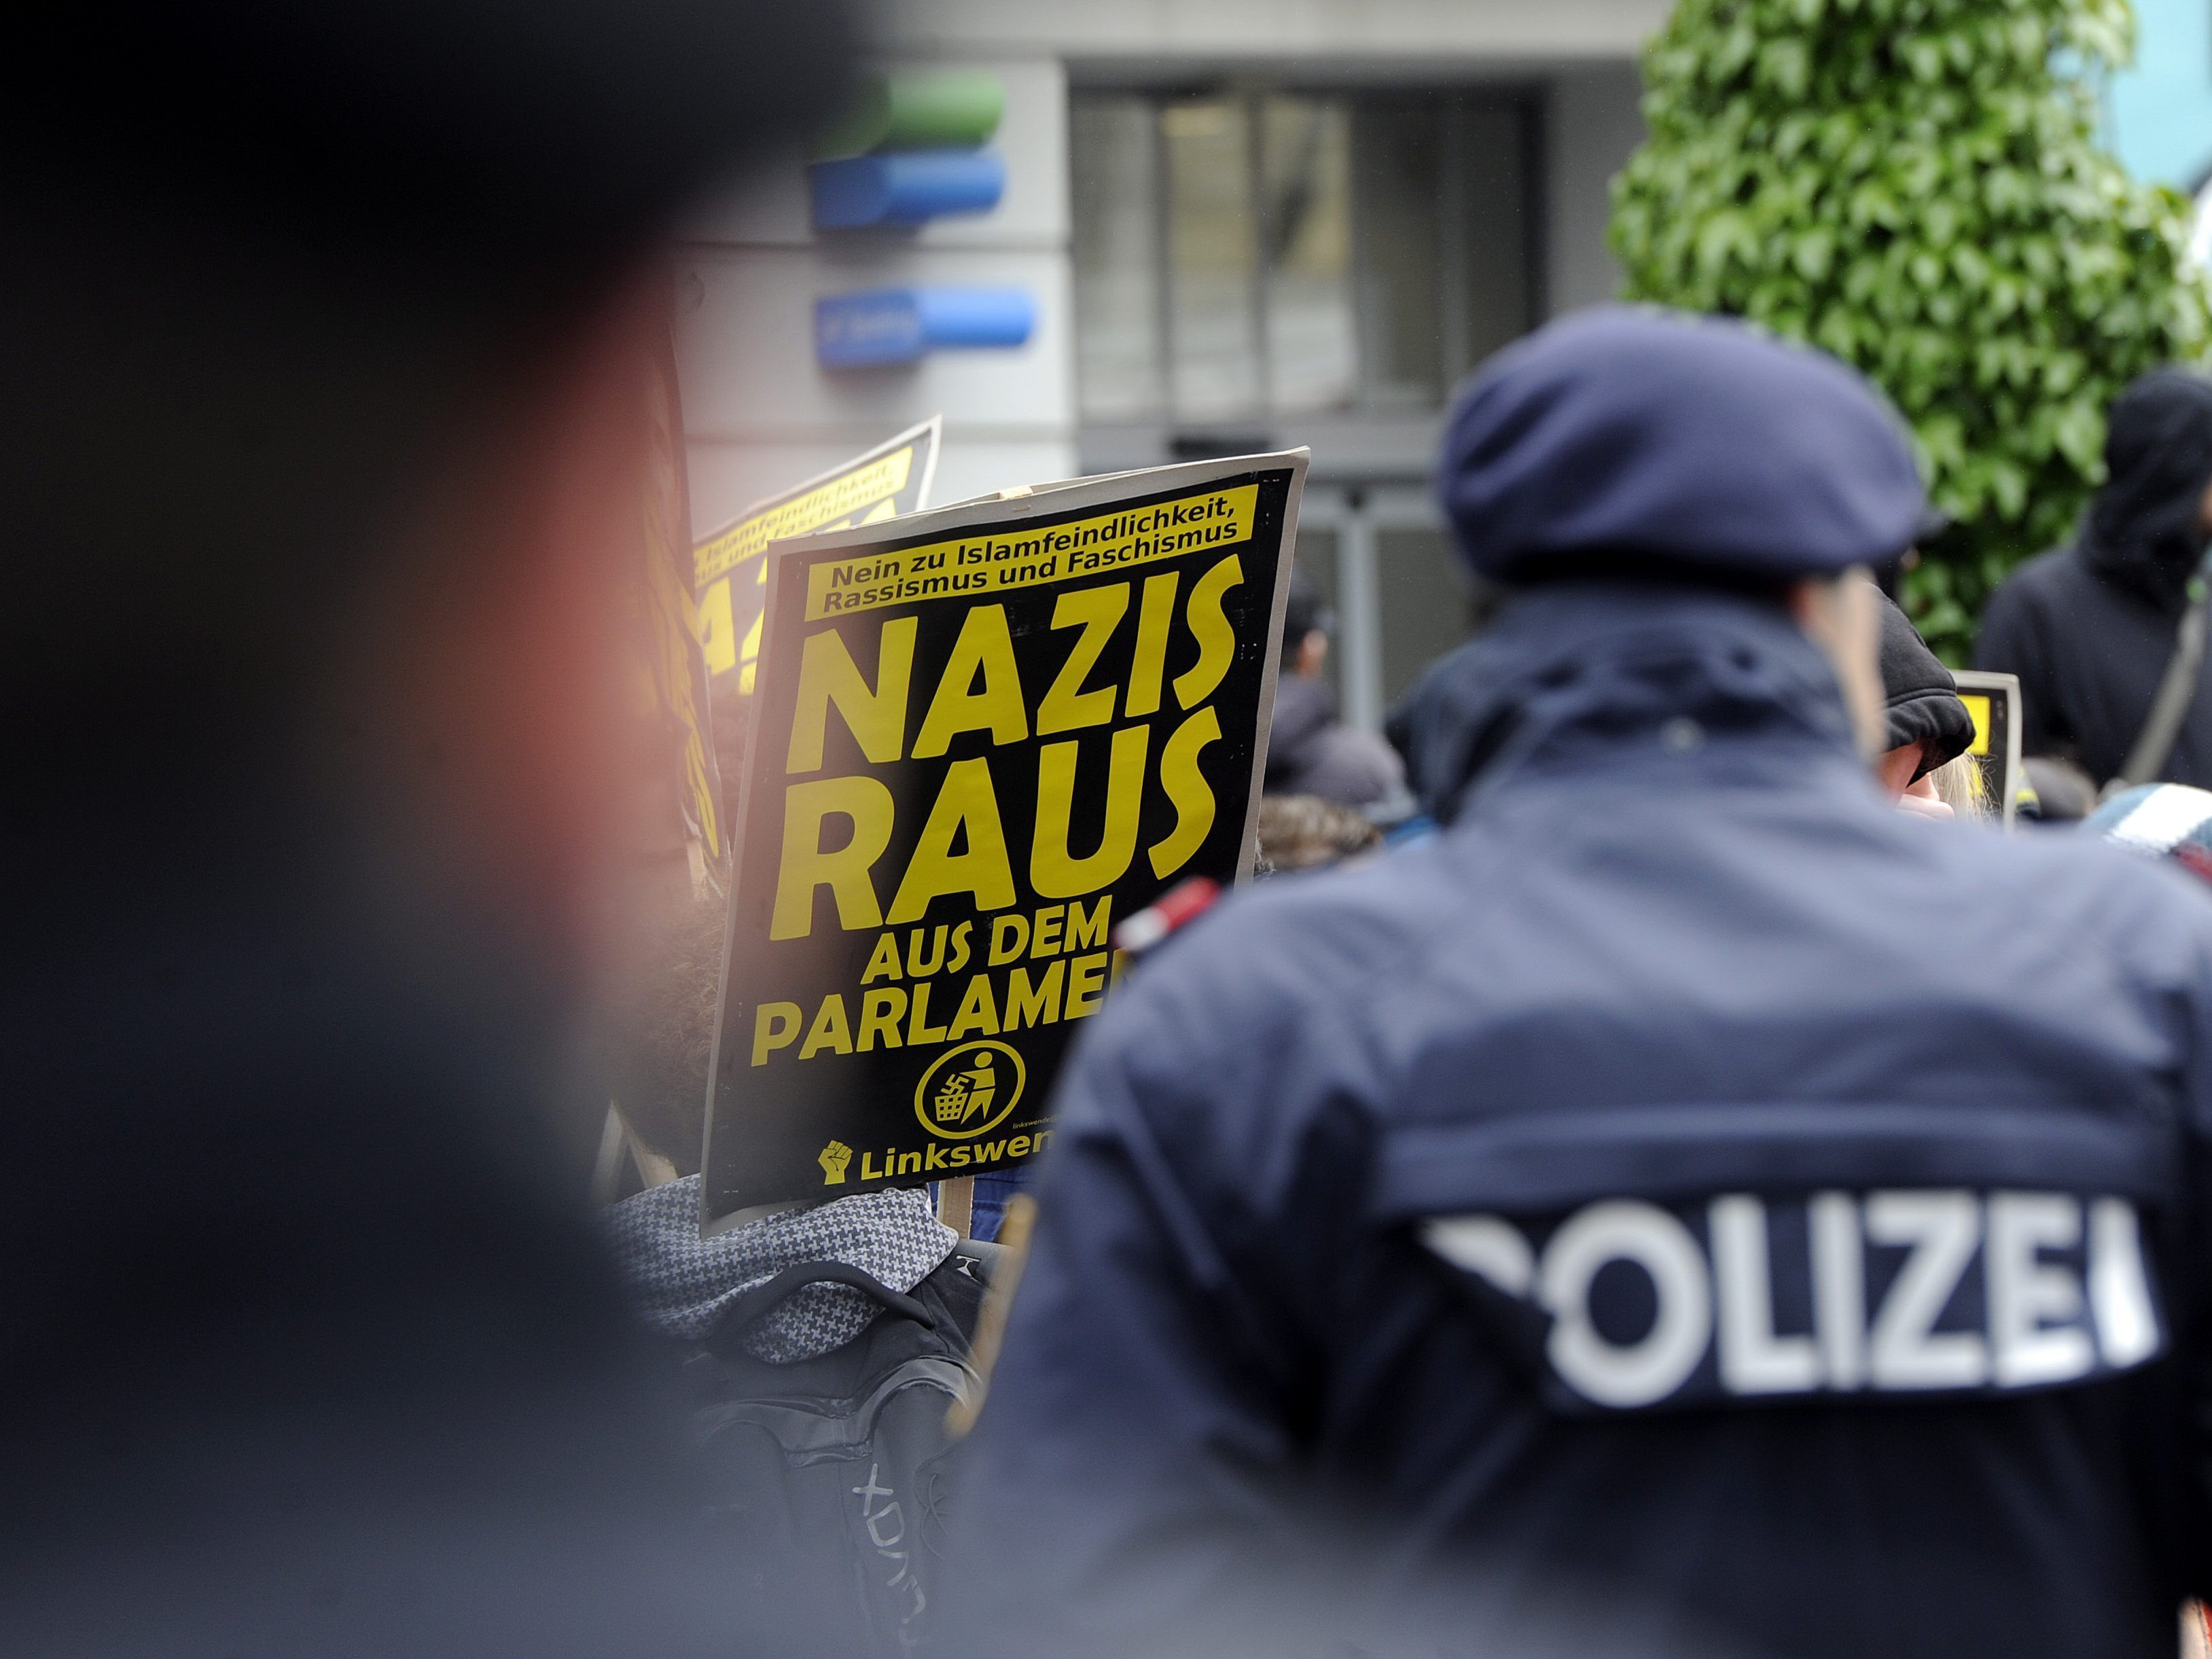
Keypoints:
(682, 1284)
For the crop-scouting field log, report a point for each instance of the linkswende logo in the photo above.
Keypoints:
(833, 1159)
(969, 1089)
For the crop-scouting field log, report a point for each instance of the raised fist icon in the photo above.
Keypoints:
(833, 1158)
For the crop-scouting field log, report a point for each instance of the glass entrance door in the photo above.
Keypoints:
(1381, 555)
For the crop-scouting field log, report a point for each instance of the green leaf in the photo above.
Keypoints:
(2080, 434)
(1722, 236)
(1786, 66)
(1923, 56)
(2007, 489)
(1916, 185)
(1813, 253)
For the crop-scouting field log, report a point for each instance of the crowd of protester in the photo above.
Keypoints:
(1662, 931)
(756, 1329)
(1147, 1551)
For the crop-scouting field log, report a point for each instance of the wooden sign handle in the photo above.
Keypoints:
(955, 1204)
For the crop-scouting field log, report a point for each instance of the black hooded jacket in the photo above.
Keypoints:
(2089, 627)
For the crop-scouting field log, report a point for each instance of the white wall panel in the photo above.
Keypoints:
(1435, 33)
(1032, 136)
(761, 415)
(745, 347)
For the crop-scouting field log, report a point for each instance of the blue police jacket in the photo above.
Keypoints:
(1686, 1207)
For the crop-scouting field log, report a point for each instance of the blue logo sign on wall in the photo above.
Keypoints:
(889, 325)
(904, 188)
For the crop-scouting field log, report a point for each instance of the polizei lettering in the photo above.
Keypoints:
(1895, 1291)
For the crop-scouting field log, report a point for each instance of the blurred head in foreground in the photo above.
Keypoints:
(333, 340)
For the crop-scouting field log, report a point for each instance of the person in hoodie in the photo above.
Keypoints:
(1608, 1226)
(1309, 750)
(2090, 628)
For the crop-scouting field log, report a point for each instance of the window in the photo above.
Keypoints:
(1257, 253)
(1120, 354)
(1305, 193)
(1399, 593)
(1421, 597)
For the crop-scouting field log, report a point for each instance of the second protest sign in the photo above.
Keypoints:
(981, 734)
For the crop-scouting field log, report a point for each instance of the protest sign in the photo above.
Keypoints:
(667, 633)
(980, 736)
(674, 881)
(729, 574)
(1993, 700)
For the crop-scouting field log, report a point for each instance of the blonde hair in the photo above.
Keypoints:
(1305, 832)
(1961, 786)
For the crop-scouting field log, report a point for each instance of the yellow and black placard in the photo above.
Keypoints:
(1993, 700)
(674, 684)
(730, 576)
(979, 736)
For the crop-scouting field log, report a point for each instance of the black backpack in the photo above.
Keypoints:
(830, 1475)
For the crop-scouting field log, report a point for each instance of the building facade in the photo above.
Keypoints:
(1238, 225)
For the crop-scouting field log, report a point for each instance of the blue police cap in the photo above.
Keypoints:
(1626, 437)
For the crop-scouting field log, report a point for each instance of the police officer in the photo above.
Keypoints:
(1688, 1205)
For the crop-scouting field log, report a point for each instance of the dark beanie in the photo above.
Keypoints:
(1923, 697)
(1621, 438)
